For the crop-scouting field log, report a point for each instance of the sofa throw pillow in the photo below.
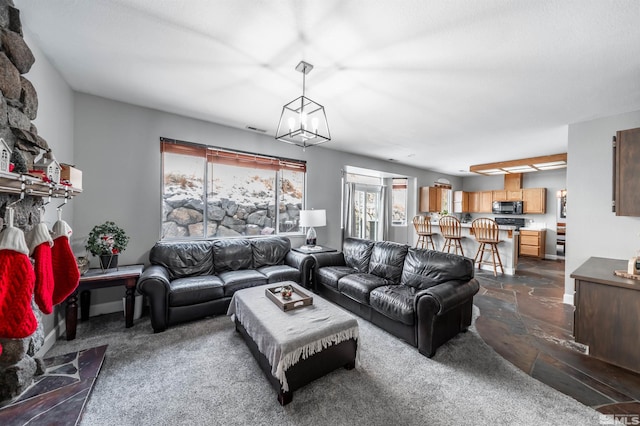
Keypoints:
(183, 258)
(426, 268)
(269, 251)
(387, 259)
(232, 255)
(357, 253)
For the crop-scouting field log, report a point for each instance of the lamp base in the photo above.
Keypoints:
(311, 237)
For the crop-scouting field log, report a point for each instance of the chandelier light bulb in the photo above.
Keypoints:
(314, 124)
(292, 124)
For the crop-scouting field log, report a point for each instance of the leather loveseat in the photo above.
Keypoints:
(193, 279)
(422, 296)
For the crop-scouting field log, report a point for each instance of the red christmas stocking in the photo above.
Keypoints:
(16, 286)
(66, 275)
(40, 243)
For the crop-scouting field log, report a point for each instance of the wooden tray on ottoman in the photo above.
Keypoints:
(298, 299)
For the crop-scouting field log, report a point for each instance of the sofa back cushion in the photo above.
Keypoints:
(426, 268)
(357, 253)
(269, 251)
(387, 259)
(183, 258)
(232, 255)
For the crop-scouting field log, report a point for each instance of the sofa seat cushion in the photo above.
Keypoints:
(237, 280)
(395, 302)
(193, 290)
(330, 275)
(278, 273)
(358, 286)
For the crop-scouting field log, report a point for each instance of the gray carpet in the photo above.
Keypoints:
(202, 373)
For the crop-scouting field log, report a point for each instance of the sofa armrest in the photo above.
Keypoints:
(154, 283)
(442, 311)
(329, 259)
(302, 262)
(446, 296)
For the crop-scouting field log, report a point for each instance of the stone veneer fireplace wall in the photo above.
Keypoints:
(18, 106)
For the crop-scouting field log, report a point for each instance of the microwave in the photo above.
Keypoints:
(507, 207)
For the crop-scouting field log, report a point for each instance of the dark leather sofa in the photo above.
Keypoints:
(422, 296)
(194, 279)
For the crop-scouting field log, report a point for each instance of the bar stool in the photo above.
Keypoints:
(450, 228)
(486, 232)
(425, 235)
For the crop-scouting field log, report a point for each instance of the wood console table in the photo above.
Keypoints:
(607, 315)
(96, 278)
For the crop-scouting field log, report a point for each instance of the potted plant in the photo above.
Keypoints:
(107, 241)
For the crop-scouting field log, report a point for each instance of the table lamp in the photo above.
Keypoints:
(311, 218)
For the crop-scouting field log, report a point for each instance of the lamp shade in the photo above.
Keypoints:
(313, 218)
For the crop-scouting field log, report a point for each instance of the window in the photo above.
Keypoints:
(209, 192)
(399, 202)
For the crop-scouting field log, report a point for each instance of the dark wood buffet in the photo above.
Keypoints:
(607, 312)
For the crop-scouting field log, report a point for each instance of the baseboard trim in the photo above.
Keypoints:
(52, 338)
(61, 327)
(567, 299)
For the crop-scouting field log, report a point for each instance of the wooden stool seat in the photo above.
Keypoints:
(486, 232)
(423, 229)
(450, 228)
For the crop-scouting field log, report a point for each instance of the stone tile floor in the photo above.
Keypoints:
(523, 318)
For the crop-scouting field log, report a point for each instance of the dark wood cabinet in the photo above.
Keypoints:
(607, 317)
(626, 169)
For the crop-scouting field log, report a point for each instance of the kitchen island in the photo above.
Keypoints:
(508, 247)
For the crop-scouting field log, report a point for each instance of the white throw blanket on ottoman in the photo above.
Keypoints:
(286, 337)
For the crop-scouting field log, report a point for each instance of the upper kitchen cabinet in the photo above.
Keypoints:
(626, 169)
(534, 200)
(486, 201)
(480, 202)
(500, 195)
(433, 199)
(461, 202)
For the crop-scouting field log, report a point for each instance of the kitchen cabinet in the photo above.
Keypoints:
(532, 242)
(513, 181)
(486, 201)
(480, 202)
(534, 200)
(607, 318)
(626, 169)
(474, 202)
(500, 195)
(430, 199)
(434, 199)
(460, 202)
(514, 194)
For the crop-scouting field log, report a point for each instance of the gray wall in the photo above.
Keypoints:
(55, 125)
(593, 229)
(553, 180)
(118, 150)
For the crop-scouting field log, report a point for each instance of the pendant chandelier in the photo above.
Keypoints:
(303, 122)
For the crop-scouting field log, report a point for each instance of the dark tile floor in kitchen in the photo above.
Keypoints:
(523, 318)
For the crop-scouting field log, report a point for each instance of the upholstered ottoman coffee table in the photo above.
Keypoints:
(298, 346)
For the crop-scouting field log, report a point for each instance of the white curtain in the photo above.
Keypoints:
(384, 214)
(346, 220)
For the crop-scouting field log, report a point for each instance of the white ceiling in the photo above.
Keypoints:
(437, 84)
